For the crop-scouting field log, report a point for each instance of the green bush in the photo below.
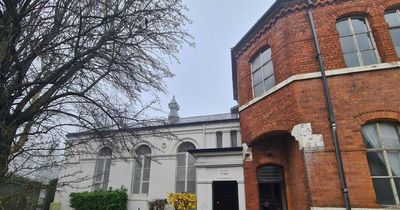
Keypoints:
(103, 200)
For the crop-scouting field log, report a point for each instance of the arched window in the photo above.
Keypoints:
(102, 169)
(141, 172)
(393, 19)
(382, 141)
(262, 71)
(185, 171)
(271, 187)
(357, 42)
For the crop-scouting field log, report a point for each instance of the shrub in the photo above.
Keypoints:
(103, 200)
(158, 204)
(182, 201)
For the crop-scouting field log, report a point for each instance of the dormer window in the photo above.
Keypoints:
(262, 72)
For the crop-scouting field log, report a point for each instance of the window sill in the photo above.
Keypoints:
(314, 75)
(138, 197)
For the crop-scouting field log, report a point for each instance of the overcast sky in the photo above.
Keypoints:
(202, 84)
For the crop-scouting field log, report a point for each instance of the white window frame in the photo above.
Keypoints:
(262, 73)
(353, 35)
(186, 170)
(397, 11)
(102, 183)
(142, 159)
(384, 151)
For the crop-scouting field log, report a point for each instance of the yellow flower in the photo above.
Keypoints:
(182, 201)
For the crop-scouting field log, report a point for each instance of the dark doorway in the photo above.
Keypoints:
(225, 195)
(271, 188)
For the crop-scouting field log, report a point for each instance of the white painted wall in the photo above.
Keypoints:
(209, 168)
(163, 166)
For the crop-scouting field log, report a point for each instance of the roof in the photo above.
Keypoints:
(216, 150)
(205, 119)
(256, 27)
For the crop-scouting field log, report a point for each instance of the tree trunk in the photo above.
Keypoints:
(5, 145)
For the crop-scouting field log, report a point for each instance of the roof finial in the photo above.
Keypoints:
(173, 110)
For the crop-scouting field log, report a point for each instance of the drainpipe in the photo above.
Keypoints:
(330, 109)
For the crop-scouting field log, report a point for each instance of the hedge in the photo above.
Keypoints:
(102, 200)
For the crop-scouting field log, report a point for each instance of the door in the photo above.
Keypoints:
(271, 188)
(225, 195)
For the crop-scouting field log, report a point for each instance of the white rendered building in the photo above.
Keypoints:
(166, 166)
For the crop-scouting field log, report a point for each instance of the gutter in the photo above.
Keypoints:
(331, 114)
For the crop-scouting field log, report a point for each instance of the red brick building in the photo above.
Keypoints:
(283, 107)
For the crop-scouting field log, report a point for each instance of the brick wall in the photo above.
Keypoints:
(357, 99)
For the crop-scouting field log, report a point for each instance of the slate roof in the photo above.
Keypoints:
(205, 119)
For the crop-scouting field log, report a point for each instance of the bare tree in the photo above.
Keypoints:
(79, 63)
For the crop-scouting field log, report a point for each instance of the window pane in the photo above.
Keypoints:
(395, 36)
(107, 171)
(137, 173)
(147, 162)
(359, 25)
(143, 149)
(394, 159)
(370, 136)
(398, 50)
(343, 28)
(180, 186)
(180, 174)
(268, 69)
(233, 138)
(369, 57)
(99, 170)
(191, 174)
(364, 41)
(376, 164)
(145, 188)
(397, 183)
(383, 191)
(105, 152)
(97, 187)
(392, 19)
(257, 77)
(351, 59)
(191, 188)
(269, 82)
(266, 56)
(136, 187)
(258, 89)
(181, 160)
(186, 146)
(146, 174)
(389, 135)
(347, 44)
(256, 63)
(219, 139)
